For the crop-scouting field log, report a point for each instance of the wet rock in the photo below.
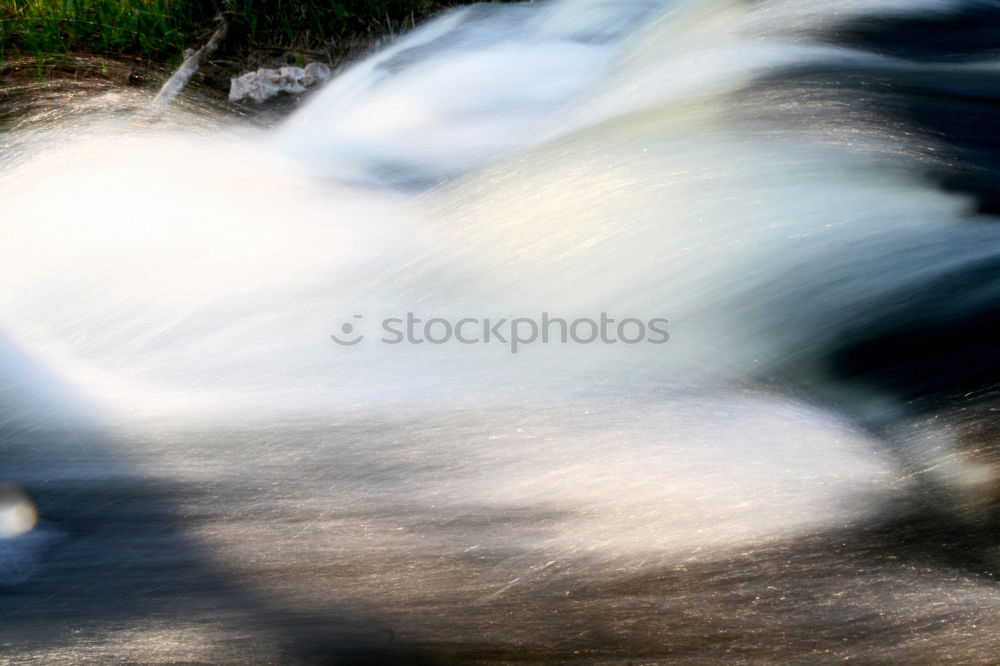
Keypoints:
(17, 512)
(265, 83)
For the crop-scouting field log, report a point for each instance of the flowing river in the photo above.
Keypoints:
(570, 331)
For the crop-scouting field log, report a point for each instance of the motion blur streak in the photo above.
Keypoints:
(807, 470)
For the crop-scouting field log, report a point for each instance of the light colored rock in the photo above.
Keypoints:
(17, 512)
(316, 72)
(265, 83)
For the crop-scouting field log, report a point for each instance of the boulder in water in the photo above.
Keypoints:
(265, 83)
(17, 512)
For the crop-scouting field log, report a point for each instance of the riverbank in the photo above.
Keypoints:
(139, 42)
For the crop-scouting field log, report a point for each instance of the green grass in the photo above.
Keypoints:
(290, 21)
(159, 30)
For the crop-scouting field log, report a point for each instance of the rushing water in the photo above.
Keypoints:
(220, 480)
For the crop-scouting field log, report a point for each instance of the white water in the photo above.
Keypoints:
(572, 158)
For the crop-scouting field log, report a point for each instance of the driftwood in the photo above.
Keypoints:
(176, 83)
